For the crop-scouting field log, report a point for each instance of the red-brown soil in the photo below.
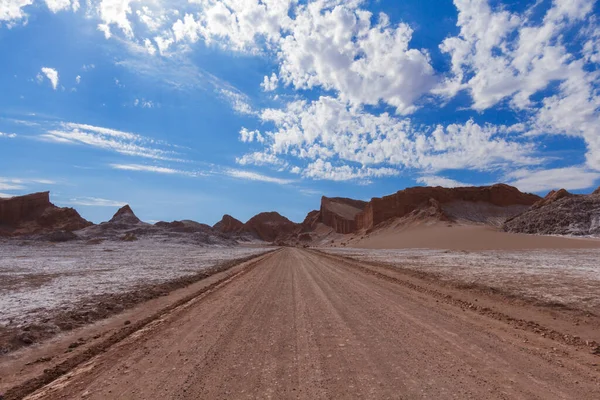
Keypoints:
(305, 325)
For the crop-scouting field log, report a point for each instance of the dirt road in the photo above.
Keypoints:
(302, 325)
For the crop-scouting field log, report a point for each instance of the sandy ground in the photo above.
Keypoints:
(300, 324)
(569, 277)
(463, 237)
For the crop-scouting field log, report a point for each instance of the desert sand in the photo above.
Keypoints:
(465, 237)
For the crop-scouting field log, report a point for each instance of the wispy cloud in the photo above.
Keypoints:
(95, 202)
(110, 139)
(20, 184)
(8, 135)
(238, 101)
(156, 169)
(570, 178)
(254, 176)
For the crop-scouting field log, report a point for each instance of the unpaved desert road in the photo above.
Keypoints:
(300, 325)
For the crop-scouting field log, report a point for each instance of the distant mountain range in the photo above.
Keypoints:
(501, 206)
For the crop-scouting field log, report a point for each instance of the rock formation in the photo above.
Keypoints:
(228, 224)
(34, 213)
(408, 200)
(340, 213)
(560, 213)
(270, 226)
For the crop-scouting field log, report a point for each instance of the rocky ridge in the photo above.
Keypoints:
(560, 213)
(34, 214)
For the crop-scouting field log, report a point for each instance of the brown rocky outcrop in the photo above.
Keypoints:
(125, 216)
(228, 224)
(34, 213)
(310, 222)
(551, 197)
(560, 213)
(269, 226)
(408, 200)
(340, 213)
(597, 191)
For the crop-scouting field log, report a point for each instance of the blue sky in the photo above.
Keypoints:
(196, 109)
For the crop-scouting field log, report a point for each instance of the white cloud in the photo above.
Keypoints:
(8, 135)
(260, 158)
(339, 49)
(499, 54)
(569, 178)
(239, 101)
(11, 11)
(269, 84)
(52, 75)
(324, 170)
(109, 139)
(78, 79)
(95, 202)
(250, 136)
(20, 184)
(11, 184)
(253, 176)
(433, 180)
(155, 169)
(115, 12)
(329, 130)
(150, 48)
(59, 5)
(143, 103)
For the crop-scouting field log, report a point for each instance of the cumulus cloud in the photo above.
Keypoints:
(505, 56)
(8, 135)
(340, 49)
(539, 180)
(270, 83)
(11, 11)
(78, 79)
(60, 5)
(52, 75)
(329, 131)
(499, 54)
(433, 180)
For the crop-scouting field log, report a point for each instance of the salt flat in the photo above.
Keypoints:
(39, 278)
(565, 276)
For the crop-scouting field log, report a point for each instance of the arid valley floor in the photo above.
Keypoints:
(439, 302)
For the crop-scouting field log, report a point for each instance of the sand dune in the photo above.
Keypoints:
(467, 237)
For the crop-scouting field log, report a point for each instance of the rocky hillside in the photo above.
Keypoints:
(452, 203)
(340, 213)
(560, 213)
(126, 226)
(228, 224)
(270, 226)
(35, 214)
